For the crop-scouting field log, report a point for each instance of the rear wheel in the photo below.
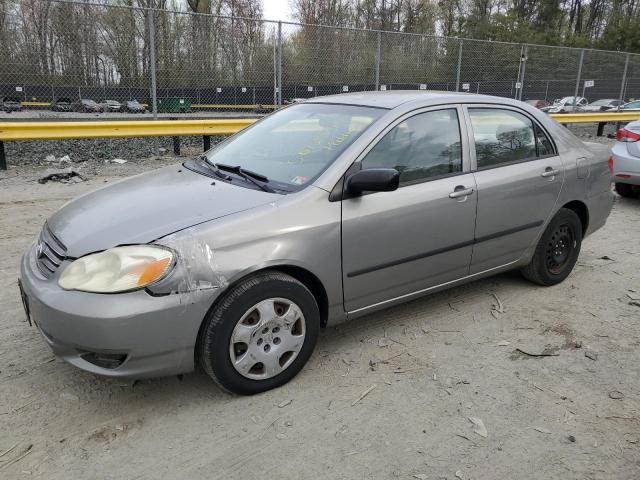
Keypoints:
(626, 190)
(557, 251)
(261, 333)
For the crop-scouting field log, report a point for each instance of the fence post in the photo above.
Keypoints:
(624, 78)
(546, 91)
(525, 53)
(377, 60)
(575, 95)
(275, 71)
(279, 63)
(459, 66)
(152, 62)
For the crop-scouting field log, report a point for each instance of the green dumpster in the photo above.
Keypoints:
(174, 105)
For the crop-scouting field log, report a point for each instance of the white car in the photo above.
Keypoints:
(602, 105)
(631, 106)
(625, 160)
(566, 104)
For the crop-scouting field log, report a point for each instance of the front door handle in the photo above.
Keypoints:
(549, 172)
(461, 191)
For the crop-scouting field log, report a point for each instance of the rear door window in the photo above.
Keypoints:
(503, 137)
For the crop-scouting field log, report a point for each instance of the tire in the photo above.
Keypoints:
(626, 190)
(236, 316)
(557, 251)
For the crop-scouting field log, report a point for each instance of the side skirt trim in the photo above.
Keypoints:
(425, 290)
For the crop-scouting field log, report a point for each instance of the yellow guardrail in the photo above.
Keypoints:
(595, 117)
(119, 129)
(12, 131)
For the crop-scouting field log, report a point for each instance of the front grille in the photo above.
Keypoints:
(50, 252)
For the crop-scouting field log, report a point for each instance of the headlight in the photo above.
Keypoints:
(118, 269)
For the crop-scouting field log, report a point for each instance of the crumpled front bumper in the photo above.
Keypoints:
(156, 335)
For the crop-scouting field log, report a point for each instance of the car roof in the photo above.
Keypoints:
(395, 98)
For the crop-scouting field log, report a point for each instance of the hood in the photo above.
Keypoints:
(146, 207)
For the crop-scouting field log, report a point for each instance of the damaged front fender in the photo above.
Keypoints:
(196, 267)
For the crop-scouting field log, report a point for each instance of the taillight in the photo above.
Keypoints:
(610, 162)
(624, 135)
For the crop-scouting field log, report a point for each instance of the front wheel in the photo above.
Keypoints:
(261, 333)
(557, 251)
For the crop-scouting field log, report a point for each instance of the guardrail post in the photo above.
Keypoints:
(459, 66)
(176, 146)
(575, 95)
(377, 59)
(206, 142)
(3, 158)
(624, 78)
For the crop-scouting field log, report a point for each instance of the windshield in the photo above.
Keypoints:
(600, 103)
(565, 100)
(292, 147)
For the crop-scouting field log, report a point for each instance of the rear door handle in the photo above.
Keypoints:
(549, 172)
(461, 191)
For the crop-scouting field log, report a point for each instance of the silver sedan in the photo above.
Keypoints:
(320, 213)
(625, 158)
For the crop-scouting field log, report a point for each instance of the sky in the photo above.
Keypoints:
(276, 10)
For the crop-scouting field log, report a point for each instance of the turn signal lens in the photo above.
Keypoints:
(153, 272)
(119, 269)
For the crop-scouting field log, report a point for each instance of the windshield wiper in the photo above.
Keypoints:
(256, 178)
(211, 166)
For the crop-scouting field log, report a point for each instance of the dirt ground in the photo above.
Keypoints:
(428, 367)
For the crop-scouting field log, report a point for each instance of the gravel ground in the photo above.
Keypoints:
(34, 153)
(428, 367)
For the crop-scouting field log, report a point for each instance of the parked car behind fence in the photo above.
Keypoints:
(87, 106)
(61, 105)
(10, 104)
(133, 106)
(566, 105)
(602, 105)
(111, 106)
(540, 104)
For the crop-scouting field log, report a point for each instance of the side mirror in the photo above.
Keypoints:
(374, 180)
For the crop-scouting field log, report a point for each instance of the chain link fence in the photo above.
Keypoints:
(180, 61)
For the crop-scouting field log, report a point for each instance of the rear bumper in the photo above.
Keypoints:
(626, 167)
(155, 336)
